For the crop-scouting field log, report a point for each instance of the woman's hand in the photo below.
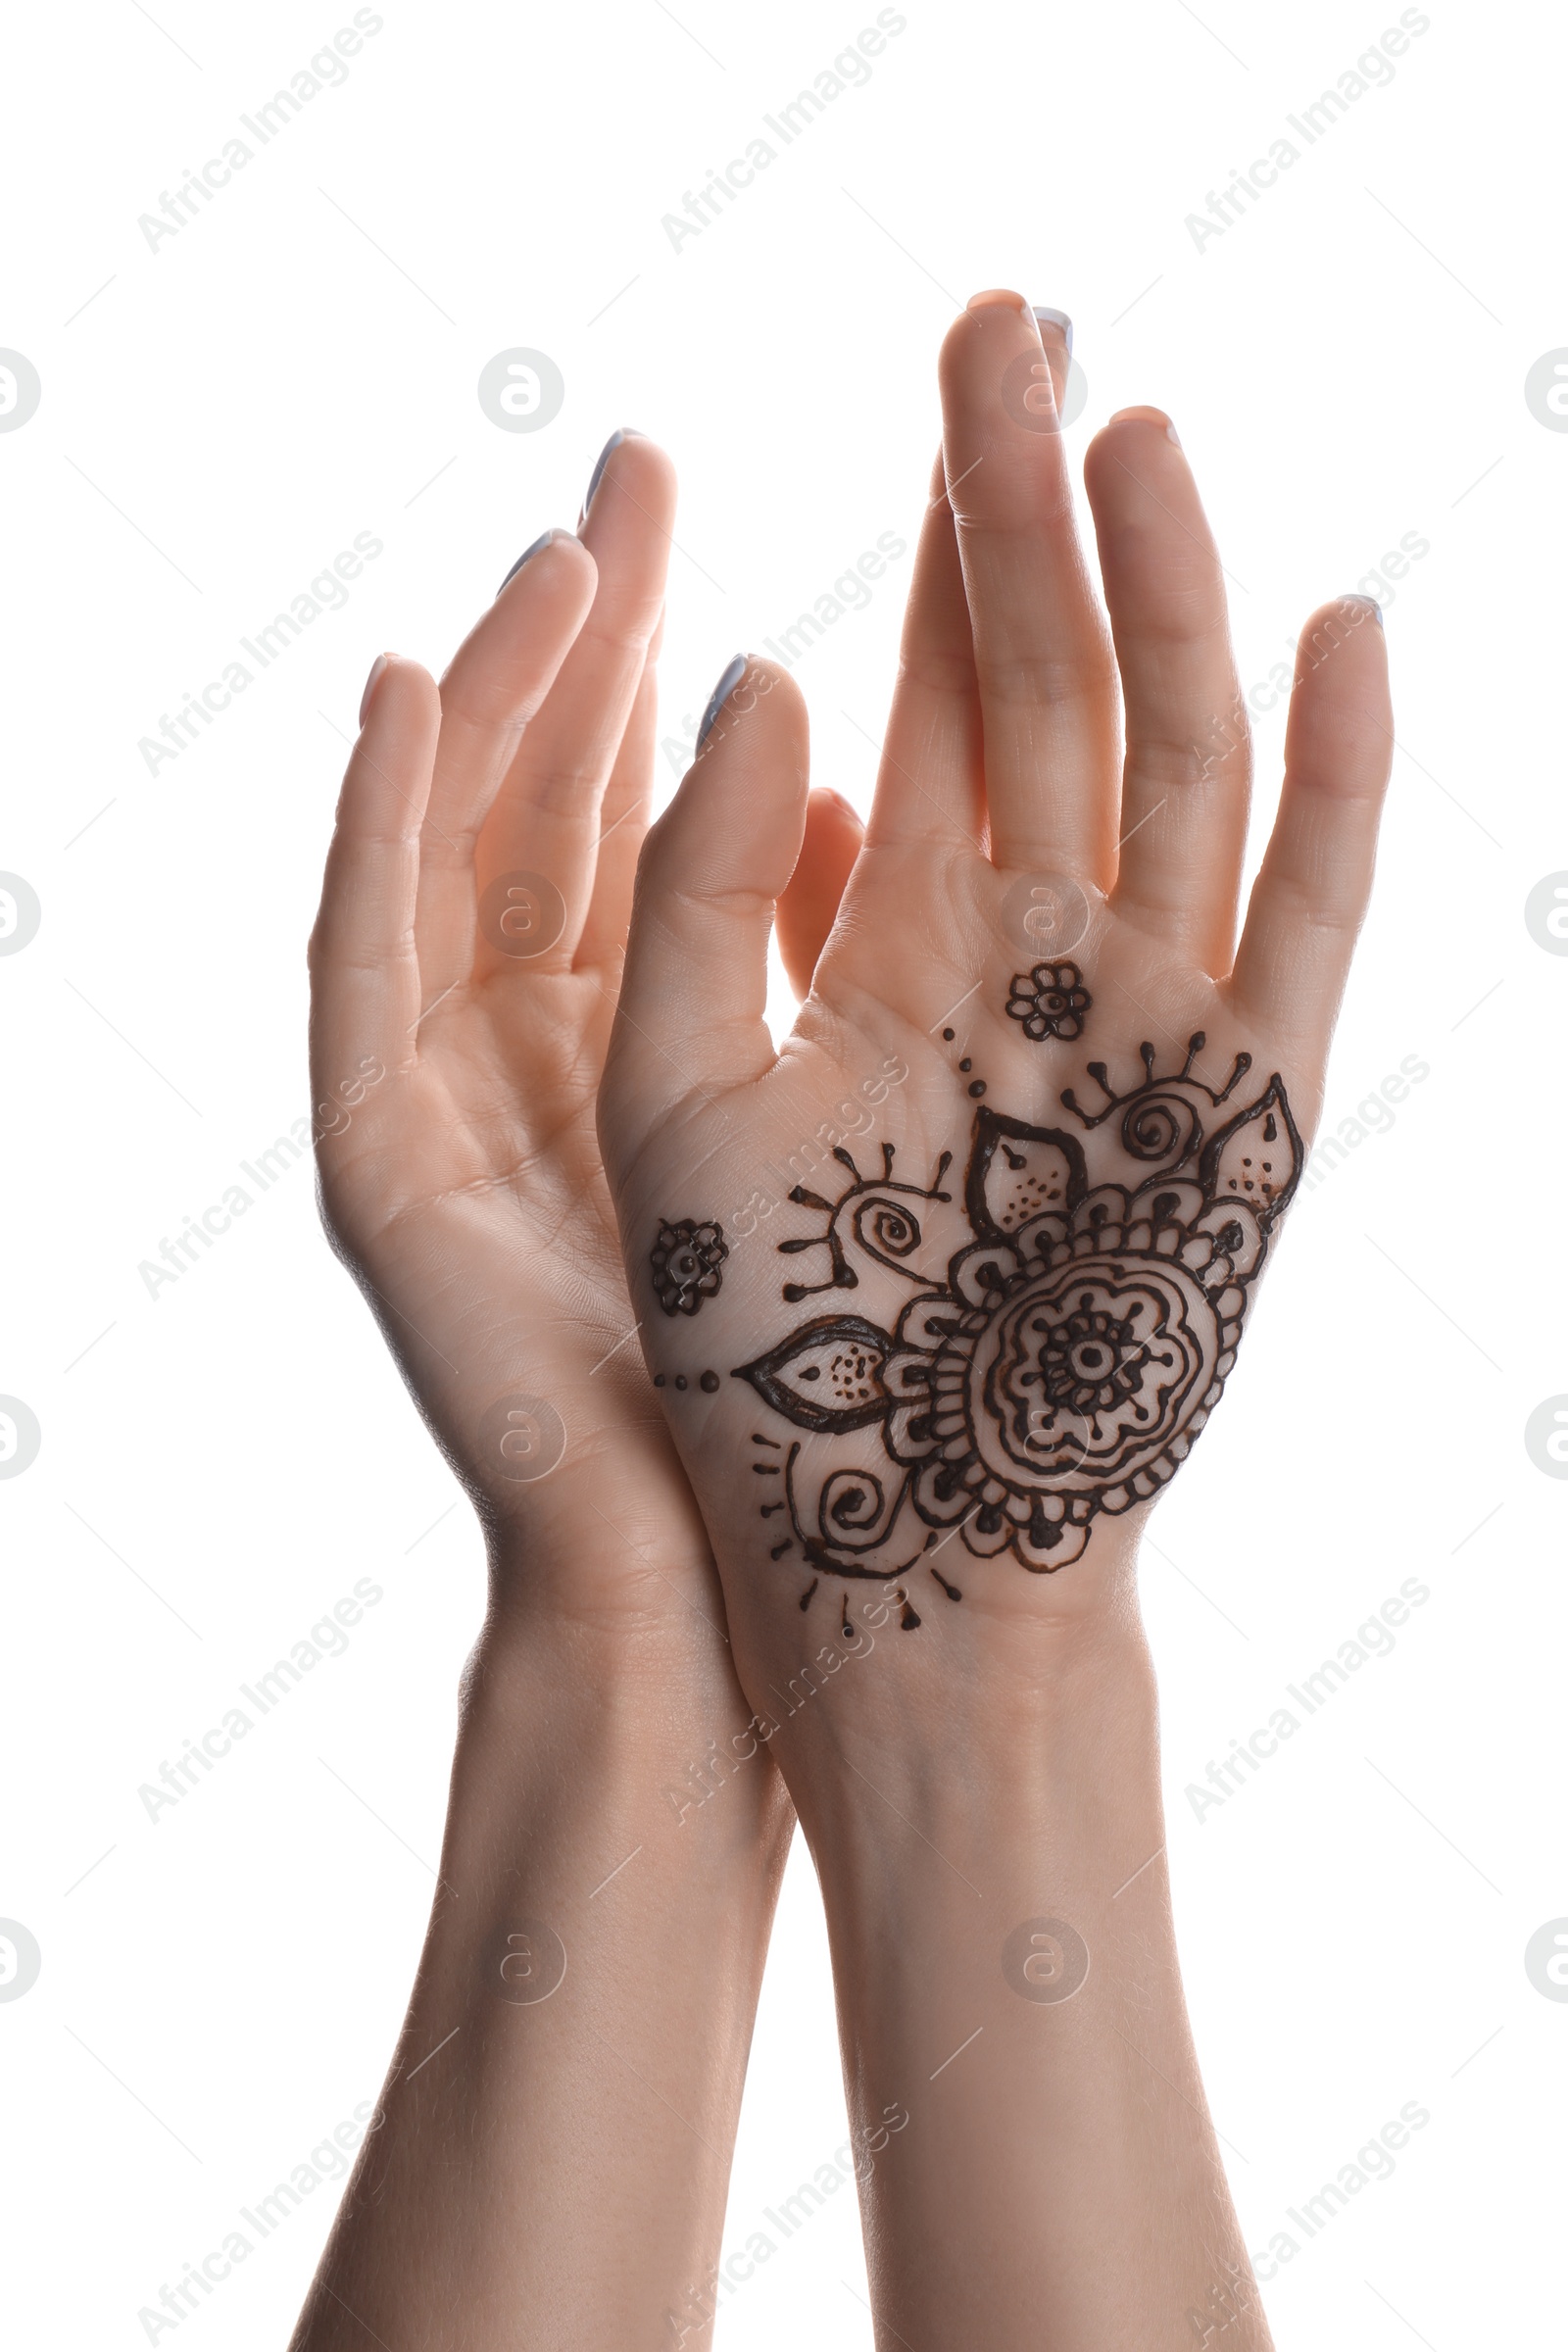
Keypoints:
(576, 2041)
(992, 1221)
(938, 1297)
(466, 964)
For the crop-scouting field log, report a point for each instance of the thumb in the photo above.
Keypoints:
(695, 985)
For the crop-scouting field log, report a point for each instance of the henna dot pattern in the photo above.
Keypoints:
(685, 1262)
(1050, 1001)
(1061, 1360)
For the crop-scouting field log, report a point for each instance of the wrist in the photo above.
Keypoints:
(612, 1545)
(986, 1709)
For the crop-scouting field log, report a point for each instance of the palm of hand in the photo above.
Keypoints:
(987, 1323)
(1007, 1274)
(460, 1177)
(470, 1200)
(466, 964)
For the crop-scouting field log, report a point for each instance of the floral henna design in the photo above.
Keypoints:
(685, 1261)
(1068, 1337)
(1049, 1002)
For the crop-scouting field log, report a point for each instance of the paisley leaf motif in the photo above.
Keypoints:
(827, 1376)
(1017, 1171)
(1257, 1158)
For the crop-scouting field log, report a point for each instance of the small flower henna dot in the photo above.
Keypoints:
(1049, 1002)
(685, 1261)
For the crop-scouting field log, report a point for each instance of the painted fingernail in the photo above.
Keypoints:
(720, 696)
(1047, 318)
(543, 540)
(371, 684)
(620, 434)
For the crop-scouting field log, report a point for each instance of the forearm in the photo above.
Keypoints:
(1007, 1975)
(551, 2154)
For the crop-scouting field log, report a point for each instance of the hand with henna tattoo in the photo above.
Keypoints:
(972, 1256)
(993, 1218)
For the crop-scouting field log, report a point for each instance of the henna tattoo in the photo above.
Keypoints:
(685, 1261)
(877, 1221)
(1050, 1001)
(1068, 1338)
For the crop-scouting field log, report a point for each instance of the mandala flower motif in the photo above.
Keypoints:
(1064, 1360)
(1050, 1001)
(685, 1261)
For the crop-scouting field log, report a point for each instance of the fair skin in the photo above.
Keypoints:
(564, 2159)
(924, 1501)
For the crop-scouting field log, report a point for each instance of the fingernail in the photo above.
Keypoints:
(720, 696)
(1147, 415)
(848, 807)
(543, 540)
(1047, 318)
(1354, 596)
(605, 454)
(371, 684)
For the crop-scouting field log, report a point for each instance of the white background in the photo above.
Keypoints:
(298, 365)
